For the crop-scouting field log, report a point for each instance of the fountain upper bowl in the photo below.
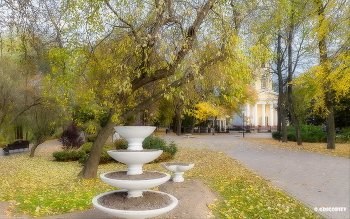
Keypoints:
(134, 131)
(135, 157)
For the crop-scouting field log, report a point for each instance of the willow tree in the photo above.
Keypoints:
(118, 48)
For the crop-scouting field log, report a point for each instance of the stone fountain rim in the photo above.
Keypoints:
(133, 180)
(139, 213)
(135, 126)
(182, 164)
(134, 151)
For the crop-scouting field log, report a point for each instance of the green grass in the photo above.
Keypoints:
(41, 186)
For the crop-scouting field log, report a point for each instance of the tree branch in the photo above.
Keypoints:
(124, 21)
(186, 46)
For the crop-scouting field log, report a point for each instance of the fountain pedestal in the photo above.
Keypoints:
(178, 168)
(132, 202)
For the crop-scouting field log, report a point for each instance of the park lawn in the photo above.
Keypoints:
(341, 149)
(40, 186)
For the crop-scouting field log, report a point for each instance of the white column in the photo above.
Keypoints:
(255, 115)
(276, 116)
(263, 115)
(271, 119)
(247, 110)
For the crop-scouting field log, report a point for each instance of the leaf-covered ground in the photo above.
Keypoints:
(40, 186)
(243, 194)
(341, 149)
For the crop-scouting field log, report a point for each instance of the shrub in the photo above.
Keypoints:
(309, 133)
(277, 135)
(71, 138)
(152, 142)
(169, 151)
(68, 155)
(3, 144)
(291, 136)
(105, 158)
(86, 147)
(120, 144)
(344, 135)
(91, 138)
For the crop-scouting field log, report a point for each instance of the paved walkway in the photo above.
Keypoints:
(316, 180)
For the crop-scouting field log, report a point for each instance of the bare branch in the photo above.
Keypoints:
(186, 46)
(124, 21)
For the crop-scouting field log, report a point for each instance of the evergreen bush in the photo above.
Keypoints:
(152, 142)
(105, 158)
(291, 136)
(120, 144)
(86, 147)
(277, 135)
(65, 156)
(309, 133)
(344, 135)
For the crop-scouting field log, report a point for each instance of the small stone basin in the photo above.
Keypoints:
(178, 168)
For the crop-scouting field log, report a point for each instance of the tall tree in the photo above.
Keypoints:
(146, 64)
(328, 82)
(281, 104)
(43, 121)
(295, 17)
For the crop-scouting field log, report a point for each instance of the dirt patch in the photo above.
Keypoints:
(149, 201)
(194, 198)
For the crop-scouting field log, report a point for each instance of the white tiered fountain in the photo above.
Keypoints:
(135, 201)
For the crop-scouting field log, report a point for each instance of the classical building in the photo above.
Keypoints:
(263, 113)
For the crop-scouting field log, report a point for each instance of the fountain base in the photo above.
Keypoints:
(151, 204)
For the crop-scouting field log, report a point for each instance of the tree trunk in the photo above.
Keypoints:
(179, 123)
(174, 124)
(32, 150)
(328, 95)
(284, 123)
(280, 84)
(91, 166)
(330, 124)
(281, 109)
(293, 116)
(289, 82)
